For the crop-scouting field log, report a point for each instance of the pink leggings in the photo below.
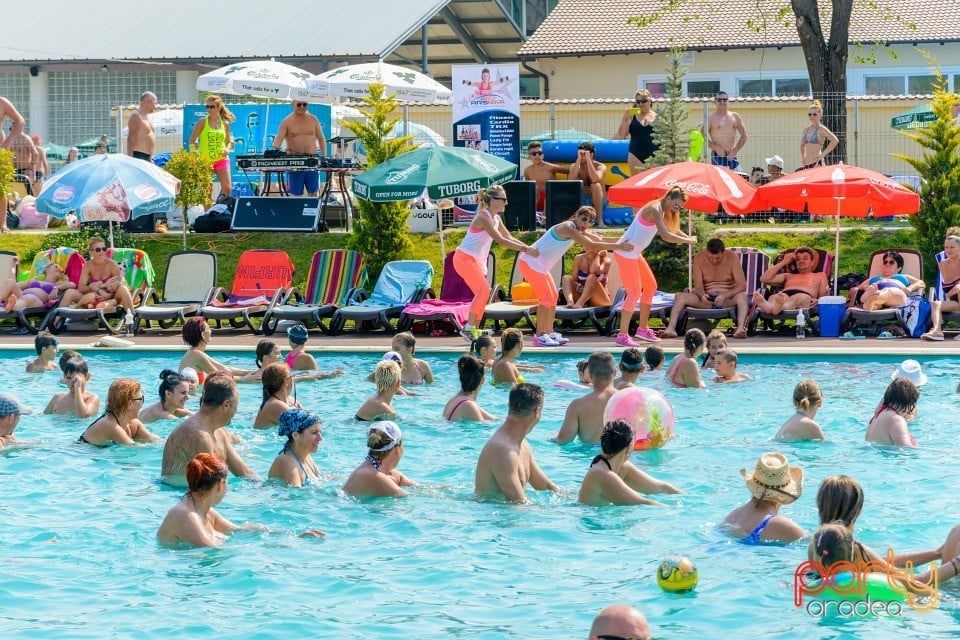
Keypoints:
(637, 279)
(471, 271)
(542, 283)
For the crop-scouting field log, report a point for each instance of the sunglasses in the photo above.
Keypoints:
(813, 113)
(496, 198)
(723, 99)
(587, 220)
(140, 399)
(98, 249)
(211, 106)
(536, 153)
(299, 104)
(641, 100)
(892, 263)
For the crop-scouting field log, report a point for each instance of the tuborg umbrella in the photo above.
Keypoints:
(353, 81)
(840, 190)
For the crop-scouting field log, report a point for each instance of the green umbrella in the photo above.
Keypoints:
(444, 172)
(916, 118)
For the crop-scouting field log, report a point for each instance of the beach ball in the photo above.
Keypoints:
(647, 411)
(677, 575)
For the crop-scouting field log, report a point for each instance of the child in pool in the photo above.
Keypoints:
(631, 366)
(484, 348)
(653, 358)
(387, 378)
(807, 399)
(726, 367)
(506, 368)
(77, 400)
(716, 340)
(413, 371)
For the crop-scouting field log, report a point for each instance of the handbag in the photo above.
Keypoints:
(915, 315)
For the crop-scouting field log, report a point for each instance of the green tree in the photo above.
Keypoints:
(939, 166)
(671, 133)
(381, 232)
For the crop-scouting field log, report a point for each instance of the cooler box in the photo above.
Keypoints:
(831, 310)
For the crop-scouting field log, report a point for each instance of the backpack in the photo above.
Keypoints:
(915, 315)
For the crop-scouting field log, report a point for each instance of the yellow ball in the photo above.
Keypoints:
(677, 575)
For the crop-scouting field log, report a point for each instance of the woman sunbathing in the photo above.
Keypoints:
(35, 293)
(889, 289)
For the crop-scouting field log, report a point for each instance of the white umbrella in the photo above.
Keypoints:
(260, 78)
(166, 122)
(353, 81)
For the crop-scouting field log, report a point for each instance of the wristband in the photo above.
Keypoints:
(956, 570)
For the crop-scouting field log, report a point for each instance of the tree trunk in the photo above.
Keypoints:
(827, 64)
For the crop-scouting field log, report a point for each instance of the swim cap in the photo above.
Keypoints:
(296, 420)
(190, 374)
(298, 334)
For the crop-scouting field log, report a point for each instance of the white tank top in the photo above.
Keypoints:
(477, 242)
(640, 234)
(551, 248)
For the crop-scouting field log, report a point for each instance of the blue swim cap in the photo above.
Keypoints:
(298, 334)
(296, 420)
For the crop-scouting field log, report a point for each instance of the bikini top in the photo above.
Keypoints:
(814, 138)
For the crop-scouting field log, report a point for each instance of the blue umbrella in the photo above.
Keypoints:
(108, 187)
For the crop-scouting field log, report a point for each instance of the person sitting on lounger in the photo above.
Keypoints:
(588, 284)
(799, 290)
(889, 289)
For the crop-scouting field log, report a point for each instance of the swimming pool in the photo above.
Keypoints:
(80, 557)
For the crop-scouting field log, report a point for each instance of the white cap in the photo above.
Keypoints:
(775, 161)
(912, 371)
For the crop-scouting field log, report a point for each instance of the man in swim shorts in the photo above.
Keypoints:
(141, 139)
(506, 465)
(799, 290)
(540, 171)
(718, 282)
(727, 134)
(204, 432)
(303, 134)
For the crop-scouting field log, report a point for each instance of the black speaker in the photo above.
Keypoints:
(275, 214)
(520, 213)
(564, 197)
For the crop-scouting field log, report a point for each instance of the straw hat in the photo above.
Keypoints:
(911, 370)
(774, 480)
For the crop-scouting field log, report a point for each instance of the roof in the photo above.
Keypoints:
(594, 27)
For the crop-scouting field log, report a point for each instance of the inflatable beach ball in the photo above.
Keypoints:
(677, 575)
(647, 411)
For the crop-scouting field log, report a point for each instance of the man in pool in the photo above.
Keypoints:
(204, 432)
(620, 621)
(799, 290)
(46, 346)
(506, 463)
(10, 411)
(584, 417)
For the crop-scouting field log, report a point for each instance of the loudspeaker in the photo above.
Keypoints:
(520, 213)
(564, 197)
(275, 214)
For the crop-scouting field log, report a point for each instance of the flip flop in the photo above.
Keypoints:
(932, 337)
(886, 335)
(850, 335)
(740, 334)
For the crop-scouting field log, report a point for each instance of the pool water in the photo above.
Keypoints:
(80, 560)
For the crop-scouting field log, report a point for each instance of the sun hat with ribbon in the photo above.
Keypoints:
(774, 480)
(911, 370)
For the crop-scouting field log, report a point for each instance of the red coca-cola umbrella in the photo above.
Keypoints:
(839, 190)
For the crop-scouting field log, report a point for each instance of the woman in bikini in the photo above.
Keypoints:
(899, 406)
(387, 378)
(278, 395)
(949, 269)
(294, 464)
(174, 393)
(377, 476)
(35, 293)
(100, 283)
(413, 371)
(772, 484)
(119, 424)
(683, 371)
(812, 151)
(889, 289)
(197, 333)
(506, 368)
(588, 284)
(463, 406)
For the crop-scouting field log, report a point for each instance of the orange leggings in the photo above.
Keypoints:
(542, 283)
(637, 280)
(471, 271)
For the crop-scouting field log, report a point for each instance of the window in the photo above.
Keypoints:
(793, 87)
(899, 84)
(657, 88)
(749, 88)
(920, 84)
(702, 88)
(773, 87)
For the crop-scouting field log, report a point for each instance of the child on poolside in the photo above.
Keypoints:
(46, 346)
(631, 366)
(387, 378)
(506, 368)
(653, 358)
(726, 367)
(716, 341)
(807, 399)
(77, 400)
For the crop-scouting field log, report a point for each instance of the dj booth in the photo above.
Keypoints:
(274, 209)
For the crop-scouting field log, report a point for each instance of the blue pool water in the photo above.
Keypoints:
(79, 556)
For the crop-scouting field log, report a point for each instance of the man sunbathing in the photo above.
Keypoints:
(799, 290)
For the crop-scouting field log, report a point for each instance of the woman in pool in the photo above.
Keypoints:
(772, 484)
(506, 368)
(174, 393)
(631, 366)
(949, 269)
(377, 476)
(277, 389)
(268, 352)
(294, 464)
(899, 406)
(716, 341)
(413, 371)
(683, 370)
(197, 333)
(101, 283)
(463, 406)
(485, 348)
(612, 478)
(807, 400)
(387, 378)
(889, 289)
(35, 293)
(658, 217)
(119, 424)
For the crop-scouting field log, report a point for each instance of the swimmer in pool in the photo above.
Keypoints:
(294, 465)
(463, 406)
(683, 371)
(584, 416)
(174, 393)
(485, 348)
(119, 424)
(46, 347)
(612, 478)
(807, 400)
(378, 476)
(772, 484)
(197, 333)
(77, 400)
(268, 352)
(726, 366)
(889, 422)
(630, 366)
(506, 368)
(387, 378)
(278, 395)
(10, 411)
(413, 371)
(716, 340)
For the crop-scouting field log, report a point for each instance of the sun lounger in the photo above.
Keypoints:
(262, 276)
(871, 321)
(510, 312)
(190, 279)
(454, 301)
(400, 283)
(754, 263)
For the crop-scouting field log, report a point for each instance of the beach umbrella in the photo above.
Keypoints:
(108, 187)
(166, 123)
(916, 118)
(260, 78)
(839, 190)
(353, 81)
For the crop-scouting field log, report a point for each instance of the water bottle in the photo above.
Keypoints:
(128, 321)
(801, 325)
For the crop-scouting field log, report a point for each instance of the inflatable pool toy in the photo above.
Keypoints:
(677, 575)
(844, 588)
(647, 411)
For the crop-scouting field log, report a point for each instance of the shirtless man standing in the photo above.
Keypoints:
(7, 110)
(723, 127)
(141, 140)
(506, 463)
(24, 158)
(718, 282)
(591, 173)
(304, 135)
(540, 172)
(204, 432)
(800, 289)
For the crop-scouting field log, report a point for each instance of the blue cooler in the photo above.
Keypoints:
(831, 310)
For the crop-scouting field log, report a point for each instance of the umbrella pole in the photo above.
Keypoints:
(110, 223)
(836, 249)
(689, 251)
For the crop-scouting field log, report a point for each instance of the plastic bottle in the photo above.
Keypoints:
(128, 322)
(801, 325)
